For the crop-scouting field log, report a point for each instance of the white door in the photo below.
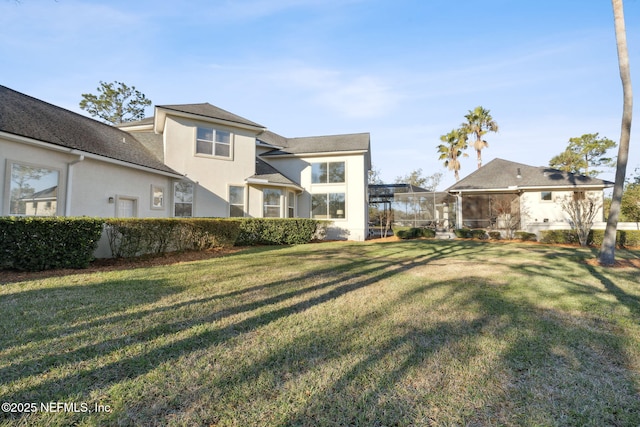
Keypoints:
(126, 208)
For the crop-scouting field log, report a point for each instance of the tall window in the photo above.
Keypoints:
(183, 199)
(236, 201)
(327, 172)
(328, 206)
(213, 142)
(33, 190)
(291, 205)
(271, 203)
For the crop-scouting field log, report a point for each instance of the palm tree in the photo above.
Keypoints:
(454, 142)
(607, 251)
(479, 122)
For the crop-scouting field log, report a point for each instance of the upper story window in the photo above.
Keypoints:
(327, 172)
(213, 142)
(545, 195)
(33, 190)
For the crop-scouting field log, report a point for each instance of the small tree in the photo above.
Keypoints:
(452, 149)
(582, 209)
(583, 153)
(415, 178)
(506, 210)
(116, 103)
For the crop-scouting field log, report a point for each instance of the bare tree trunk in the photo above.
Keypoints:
(607, 251)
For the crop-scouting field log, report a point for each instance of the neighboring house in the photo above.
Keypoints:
(506, 195)
(193, 160)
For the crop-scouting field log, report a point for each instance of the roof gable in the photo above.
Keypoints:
(32, 118)
(208, 111)
(500, 174)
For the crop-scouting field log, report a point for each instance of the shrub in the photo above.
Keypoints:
(130, 237)
(495, 235)
(479, 234)
(414, 233)
(525, 236)
(559, 237)
(277, 231)
(462, 233)
(42, 243)
(624, 238)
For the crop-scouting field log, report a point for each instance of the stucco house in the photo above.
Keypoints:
(193, 160)
(504, 194)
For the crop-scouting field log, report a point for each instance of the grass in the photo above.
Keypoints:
(399, 333)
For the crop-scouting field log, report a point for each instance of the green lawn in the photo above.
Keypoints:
(396, 333)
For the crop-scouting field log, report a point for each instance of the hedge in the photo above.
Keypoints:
(414, 233)
(130, 237)
(561, 237)
(624, 238)
(42, 243)
(278, 231)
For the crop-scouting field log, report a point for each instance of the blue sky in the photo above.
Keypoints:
(407, 71)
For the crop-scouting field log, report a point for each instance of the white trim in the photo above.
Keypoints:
(319, 154)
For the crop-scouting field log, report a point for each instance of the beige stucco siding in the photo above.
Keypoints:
(212, 174)
(90, 182)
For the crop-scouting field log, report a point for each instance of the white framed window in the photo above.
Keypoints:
(546, 196)
(328, 206)
(157, 197)
(183, 192)
(328, 173)
(291, 205)
(271, 202)
(33, 190)
(236, 201)
(214, 142)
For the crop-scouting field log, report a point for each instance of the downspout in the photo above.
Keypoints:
(459, 210)
(68, 192)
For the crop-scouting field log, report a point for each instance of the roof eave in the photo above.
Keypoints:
(161, 114)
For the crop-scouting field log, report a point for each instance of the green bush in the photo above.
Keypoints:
(559, 237)
(130, 237)
(479, 234)
(277, 231)
(414, 233)
(462, 233)
(525, 236)
(624, 238)
(42, 243)
(495, 235)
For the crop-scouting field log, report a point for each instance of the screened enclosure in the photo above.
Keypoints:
(404, 205)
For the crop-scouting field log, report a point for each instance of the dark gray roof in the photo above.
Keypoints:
(501, 174)
(210, 111)
(273, 138)
(323, 144)
(29, 117)
(265, 171)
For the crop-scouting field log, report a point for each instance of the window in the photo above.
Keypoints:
(545, 195)
(328, 206)
(291, 205)
(327, 172)
(183, 199)
(33, 190)
(236, 201)
(157, 197)
(271, 203)
(213, 142)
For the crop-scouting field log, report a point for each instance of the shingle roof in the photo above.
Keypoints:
(210, 111)
(501, 174)
(264, 171)
(32, 118)
(322, 144)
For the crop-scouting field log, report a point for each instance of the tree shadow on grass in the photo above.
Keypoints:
(297, 294)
